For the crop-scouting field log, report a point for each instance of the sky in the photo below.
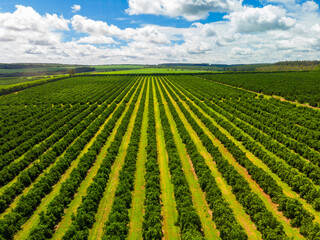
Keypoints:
(159, 31)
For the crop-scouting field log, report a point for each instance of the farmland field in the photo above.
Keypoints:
(26, 70)
(157, 157)
(150, 71)
(111, 68)
(15, 80)
(303, 87)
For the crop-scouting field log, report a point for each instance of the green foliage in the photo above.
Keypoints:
(82, 132)
(291, 208)
(95, 191)
(221, 212)
(21, 85)
(117, 225)
(45, 128)
(188, 219)
(303, 87)
(152, 228)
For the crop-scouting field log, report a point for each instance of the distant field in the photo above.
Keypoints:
(159, 157)
(155, 70)
(108, 68)
(50, 68)
(28, 70)
(9, 81)
(10, 85)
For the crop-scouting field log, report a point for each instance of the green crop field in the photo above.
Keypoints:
(27, 70)
(159, 156)
(111, 68)
(15, 80)
(152, 71)
(303, 87)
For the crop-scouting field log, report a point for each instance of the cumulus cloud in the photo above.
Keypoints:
(34, 50)
(250, 19)
(27, 32)
(85, 25)
(100, 28)
(206, 29)
(310, 6)
(76, 8)
(188, 9)
(241, 51)
(298, 43)
(96, 40)
(246, 35)
(5, 36)
(145, 34)
(26, 18)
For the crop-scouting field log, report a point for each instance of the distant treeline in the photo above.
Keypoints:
(212, 67)
(292, 66)
(294, 63)
(47, 72)
(264, 67)
(37, 69)
(30, 65)
(84, 69)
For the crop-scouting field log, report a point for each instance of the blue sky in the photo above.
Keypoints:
(110, 11)
(142, 31)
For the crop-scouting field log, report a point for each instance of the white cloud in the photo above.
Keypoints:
(96, 40)
(34, 50)
(54, 22)
(145, 34)
(251, 19)
(25, 18)
(25, 33)
(76, 8)
(121, 19)
(5, 36)
(267, 34)
(241, 51)
(188, 9)
(85, 25)
(315, 28)
(299, 44)
(207, 29)
(99, 28)
(310, 6)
